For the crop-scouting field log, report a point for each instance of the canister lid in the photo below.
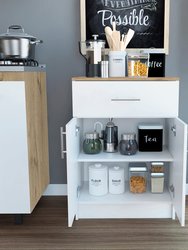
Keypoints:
(157, 174)
(130, 136)
(150, 126)
(92, 135)
(97, 166)
(138, 169)
(116, 169)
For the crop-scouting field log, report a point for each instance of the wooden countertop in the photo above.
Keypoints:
(83, 78)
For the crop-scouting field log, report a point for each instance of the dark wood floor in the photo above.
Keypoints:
(46, 229)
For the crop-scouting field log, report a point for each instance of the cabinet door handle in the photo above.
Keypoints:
(125, 100)
(62, 133)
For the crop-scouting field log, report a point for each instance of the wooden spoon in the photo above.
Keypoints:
(108, 33)
(116, 37)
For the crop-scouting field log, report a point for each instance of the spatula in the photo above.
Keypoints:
(128, 37)
(108, 33)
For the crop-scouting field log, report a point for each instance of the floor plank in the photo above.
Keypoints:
(46, 229)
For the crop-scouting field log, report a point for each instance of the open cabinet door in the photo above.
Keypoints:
(73, 147)
(177, 183)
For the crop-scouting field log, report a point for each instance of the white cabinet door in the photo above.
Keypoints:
(104, 99)
(14, 174)
(73, 149)
(177, 181)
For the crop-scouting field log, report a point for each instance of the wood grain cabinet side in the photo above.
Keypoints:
(24, 164)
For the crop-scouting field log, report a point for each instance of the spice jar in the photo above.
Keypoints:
(92, 143)
(128, 144)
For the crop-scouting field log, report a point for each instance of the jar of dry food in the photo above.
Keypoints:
(157, 177)
(92, 143)
(128, 144)
(138, 65)
(137, 177)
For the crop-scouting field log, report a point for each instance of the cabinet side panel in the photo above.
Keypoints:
(14, 175)
(37, 133)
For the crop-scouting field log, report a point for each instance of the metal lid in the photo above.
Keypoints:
(16, 31)
(92, 135)
(130, 136)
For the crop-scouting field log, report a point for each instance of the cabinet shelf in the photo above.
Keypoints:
(126, 198)
(164, 156)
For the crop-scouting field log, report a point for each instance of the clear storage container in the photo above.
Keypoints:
(138, 65)
(138, 177)
(157, 177)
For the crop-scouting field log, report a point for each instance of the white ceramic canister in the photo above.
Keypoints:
(117, 65)
(116, 180)
(98, 179)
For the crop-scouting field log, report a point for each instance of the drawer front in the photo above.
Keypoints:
(125, 99)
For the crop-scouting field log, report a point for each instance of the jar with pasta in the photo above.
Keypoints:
(138, 65)
(138, 177)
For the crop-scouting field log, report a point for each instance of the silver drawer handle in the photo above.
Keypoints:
(125, 100)
(62, 133)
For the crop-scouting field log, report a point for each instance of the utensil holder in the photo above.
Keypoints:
(117, 65)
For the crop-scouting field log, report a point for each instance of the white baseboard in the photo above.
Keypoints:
(56, 190)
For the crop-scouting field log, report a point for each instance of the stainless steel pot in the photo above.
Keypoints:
(17, 44)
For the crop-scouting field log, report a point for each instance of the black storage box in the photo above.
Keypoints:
(150, 138)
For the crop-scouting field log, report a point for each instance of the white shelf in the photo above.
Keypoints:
(125, 198)
(164, 156)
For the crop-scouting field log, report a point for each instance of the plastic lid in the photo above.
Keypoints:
(150, 126)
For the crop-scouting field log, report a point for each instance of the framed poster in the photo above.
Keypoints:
(148, 18)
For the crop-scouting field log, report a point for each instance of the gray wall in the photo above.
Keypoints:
(57, 22)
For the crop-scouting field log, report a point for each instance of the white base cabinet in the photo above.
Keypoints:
(24, 166)
(169, 204)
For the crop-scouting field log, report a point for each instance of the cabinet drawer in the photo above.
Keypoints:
(125, 99)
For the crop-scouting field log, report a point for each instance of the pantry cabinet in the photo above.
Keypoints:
(24, 166)
(129, 102)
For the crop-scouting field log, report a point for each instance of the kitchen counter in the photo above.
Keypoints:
(83, 78)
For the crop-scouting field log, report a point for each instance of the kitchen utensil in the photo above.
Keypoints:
(116, 36)
(111, 137)
(15, 43)
(108, 33)
(95, 51)
(128, 37)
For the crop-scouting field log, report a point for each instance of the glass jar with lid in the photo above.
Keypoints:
(128, 144)
(92, 143)
(138, 177)
(138, 65)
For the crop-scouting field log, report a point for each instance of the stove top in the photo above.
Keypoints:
(21, 65)
(18, 62)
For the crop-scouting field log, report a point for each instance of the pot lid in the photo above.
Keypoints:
(16, 31)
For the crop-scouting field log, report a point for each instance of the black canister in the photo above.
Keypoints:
(128, 144)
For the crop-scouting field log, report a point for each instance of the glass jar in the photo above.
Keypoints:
(92, 143)
(137, 177)
(138, 65)
(128, 144)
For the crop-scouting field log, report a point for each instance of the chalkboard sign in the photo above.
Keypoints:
(148, 18)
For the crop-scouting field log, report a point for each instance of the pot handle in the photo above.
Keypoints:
(36, 42)
(15, 27)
